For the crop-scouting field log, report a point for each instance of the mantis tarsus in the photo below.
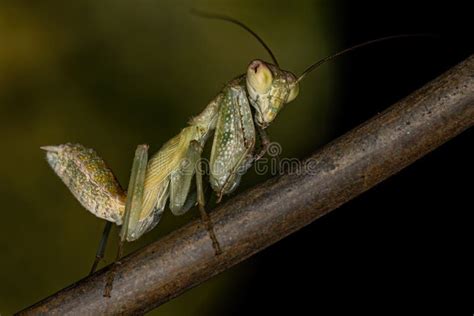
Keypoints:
(237, 116)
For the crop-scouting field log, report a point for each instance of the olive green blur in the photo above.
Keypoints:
(113, 74)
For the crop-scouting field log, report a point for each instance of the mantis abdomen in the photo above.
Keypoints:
(89, 179)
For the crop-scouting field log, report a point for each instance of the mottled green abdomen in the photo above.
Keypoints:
(89, 179)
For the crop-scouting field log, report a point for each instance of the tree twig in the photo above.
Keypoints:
(270, 211)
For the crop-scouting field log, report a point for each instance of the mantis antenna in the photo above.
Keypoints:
(236, 22)
(331, 57)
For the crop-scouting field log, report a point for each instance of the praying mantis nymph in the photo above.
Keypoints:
(236, 117)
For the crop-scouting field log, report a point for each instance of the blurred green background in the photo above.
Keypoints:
(114, 74)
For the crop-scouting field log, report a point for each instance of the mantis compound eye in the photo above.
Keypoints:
(259, 77)
(294, 87)
(294, 91)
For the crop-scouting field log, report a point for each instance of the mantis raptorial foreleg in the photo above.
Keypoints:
(234, 140)
(264, 143)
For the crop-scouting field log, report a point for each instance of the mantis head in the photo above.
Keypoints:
(269, 89)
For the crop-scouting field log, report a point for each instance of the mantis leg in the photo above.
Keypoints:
(181, 200)
(264, 143)
(132, 206)
(181, 196)
(102, 245)
(201, 204)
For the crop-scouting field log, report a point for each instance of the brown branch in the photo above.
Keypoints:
(270, 211)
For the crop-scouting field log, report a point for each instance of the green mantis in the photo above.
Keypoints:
(236, 120)
(169, 173)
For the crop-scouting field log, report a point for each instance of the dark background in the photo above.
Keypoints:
(405, 245)
(113, 74)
